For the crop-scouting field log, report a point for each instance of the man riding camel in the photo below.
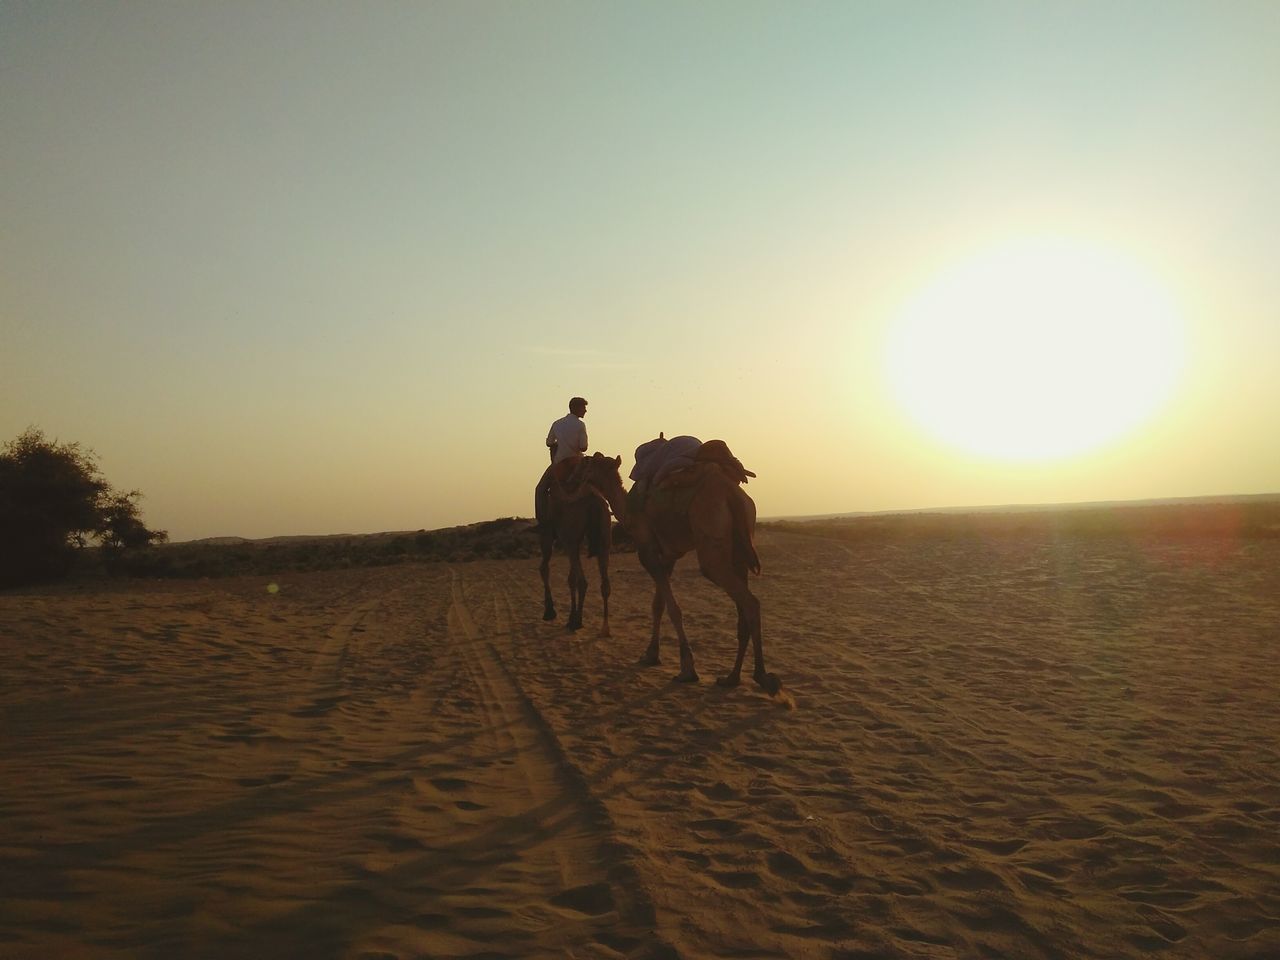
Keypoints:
(567, 440)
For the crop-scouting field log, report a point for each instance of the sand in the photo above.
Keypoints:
(1005, 747)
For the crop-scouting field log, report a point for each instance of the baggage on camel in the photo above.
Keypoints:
(668, 471)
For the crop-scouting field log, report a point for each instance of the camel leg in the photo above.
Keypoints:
(744, 634)
(577, 590)
(651, 658)
(748, 612)
(658, 569)
(544, 568)
(602, 563)
(581, 587)
(687, 673)
(734, 582)
(770, 683)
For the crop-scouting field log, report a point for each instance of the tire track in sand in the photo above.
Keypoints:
(306, 719)
(585, 864)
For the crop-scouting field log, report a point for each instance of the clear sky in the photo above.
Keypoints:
(335, 267)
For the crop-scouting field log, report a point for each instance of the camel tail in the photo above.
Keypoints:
(744, 521)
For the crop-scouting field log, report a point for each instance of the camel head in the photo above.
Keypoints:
(603, 474)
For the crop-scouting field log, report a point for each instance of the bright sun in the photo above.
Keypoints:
(1036, 349)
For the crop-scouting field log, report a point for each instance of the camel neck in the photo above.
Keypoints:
(617, 500)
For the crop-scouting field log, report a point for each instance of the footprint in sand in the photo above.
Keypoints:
(735, 879)
(319, 707)
(395, 841)
(760, 761)
(970, 878)
(1166, 932)
(263, 781)
(450, 784)
(482, 913)
(716, 826)
(694, 857)
(362, 764)
(1001, 848)
(784, 864)
(592, 899)
(1121, 814)
(110, 780)
(719, 791)
(1160, 898)
(881, 822)
(836, 883)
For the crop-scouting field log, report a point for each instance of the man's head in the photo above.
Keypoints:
(578, 407)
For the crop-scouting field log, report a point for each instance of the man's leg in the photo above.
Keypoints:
(542, 499)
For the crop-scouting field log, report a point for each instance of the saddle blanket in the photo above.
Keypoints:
(657, 458)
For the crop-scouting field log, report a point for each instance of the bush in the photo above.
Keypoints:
(53, 499)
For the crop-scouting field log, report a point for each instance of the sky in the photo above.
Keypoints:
(305, 268)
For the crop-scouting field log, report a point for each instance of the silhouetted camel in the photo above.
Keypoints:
(576, 513)
(717, 520)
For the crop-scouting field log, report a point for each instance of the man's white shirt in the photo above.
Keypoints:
(570, 436)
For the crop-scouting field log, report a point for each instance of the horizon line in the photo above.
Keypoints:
(899, 511)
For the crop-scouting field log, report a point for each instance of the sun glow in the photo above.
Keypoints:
(1037, 349)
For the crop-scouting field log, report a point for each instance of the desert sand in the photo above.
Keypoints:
(1008, 746)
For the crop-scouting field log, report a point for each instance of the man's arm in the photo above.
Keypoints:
(582, 437)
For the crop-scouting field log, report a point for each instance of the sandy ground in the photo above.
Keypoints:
(1006, 748)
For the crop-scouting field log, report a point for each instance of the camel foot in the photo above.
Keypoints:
(604, 634)
(549, 613)
(769, 683)
(687, 676)
(728, 680)
(650, 659)
(572, 627)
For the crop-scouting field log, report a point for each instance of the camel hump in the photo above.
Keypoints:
(718, 452)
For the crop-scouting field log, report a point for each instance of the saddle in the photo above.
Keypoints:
(718, 452)
(675, 490)
(712, 454)
(565, 472)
